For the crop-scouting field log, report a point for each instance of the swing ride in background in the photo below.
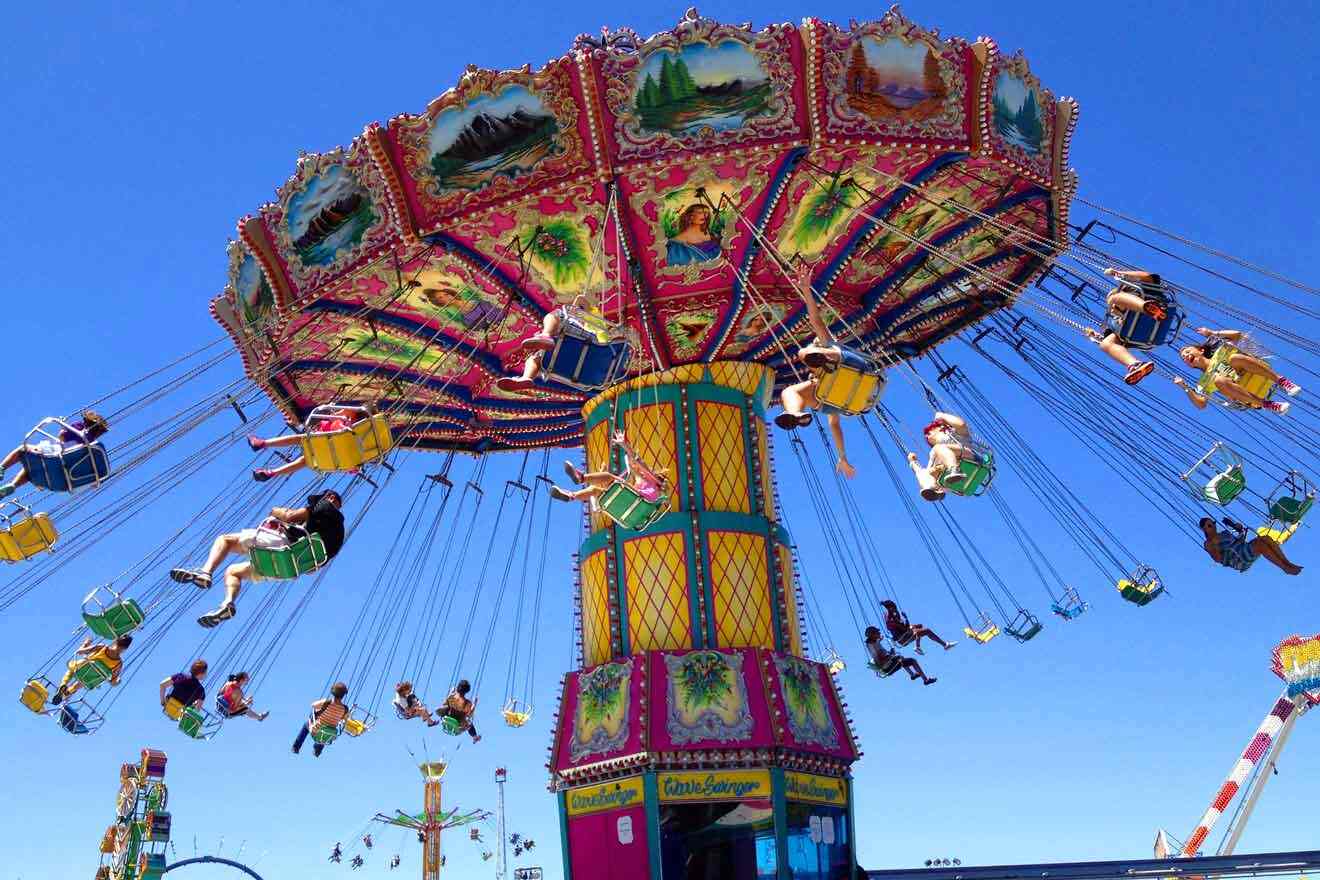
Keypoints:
(664, 193)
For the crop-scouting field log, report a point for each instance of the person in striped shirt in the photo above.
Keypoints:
(328, 712)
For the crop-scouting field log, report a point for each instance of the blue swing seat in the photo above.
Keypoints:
(75, 466)
(79, 718)
(585, 357)
(1071, 606)
(1138, 330)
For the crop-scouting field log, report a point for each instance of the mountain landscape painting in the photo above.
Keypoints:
(505, 134)
(330, 214)
(892, 78)
(701, 86)
(1018, 116)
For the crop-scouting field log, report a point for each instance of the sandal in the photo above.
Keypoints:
(515, 384)
(787, 420)
(1139, 371)
(539, 342)
(804, 420)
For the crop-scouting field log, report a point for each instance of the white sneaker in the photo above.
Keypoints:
(1289, 387)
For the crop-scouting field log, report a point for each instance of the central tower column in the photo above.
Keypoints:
(696, 736)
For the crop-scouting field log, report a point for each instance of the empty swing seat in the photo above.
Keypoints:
(983, 631)
(1225, 486)
(1143, 587)
(1071, 606)
(303, 556)
(24, 535)
(79, 718)
(852, 386)
(516, 713)
(974, 475)
(114, 618)
(622, 504)
(1136, 329)
(587, 354)
(35, 694)
(834, 663)
(1025, 627)
(358, 721)
(1291, 510)
(349, 448)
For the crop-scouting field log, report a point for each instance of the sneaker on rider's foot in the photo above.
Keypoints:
(1289, 387)
(191, 576)
(1278, 406)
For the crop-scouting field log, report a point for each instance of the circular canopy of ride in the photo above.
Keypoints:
(664, 181)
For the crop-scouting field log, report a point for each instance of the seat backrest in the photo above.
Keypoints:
(584, 363)
(325, 735)
(116, 619)
(286, 563)
(92, 673)
(850, 388)
(173, 709)
(75, 467)
(26, 537)
(34, 696)
(452, 726)
(621, 503)
(1142, 332)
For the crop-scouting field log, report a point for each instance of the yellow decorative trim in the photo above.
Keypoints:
(747, 377)
(659, 617)
(723, 453)
(741, 589)
(595, 610)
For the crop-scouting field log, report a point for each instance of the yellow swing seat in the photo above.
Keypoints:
(1258, 386)
(23, 534)
(35, 694)
(1142, 587)
(516, 713)
(983, 630)
(358, 721)
(346, 449)
(852, 386)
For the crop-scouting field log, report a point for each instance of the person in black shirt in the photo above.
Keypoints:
(321, 516)
(186, 688)
(1136, 292)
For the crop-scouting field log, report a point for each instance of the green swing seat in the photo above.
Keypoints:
(973, 478)
(92, 674)
(1142, 587)
(1225, 486)
(1291, 510)
(198, 723)
(452, 726)
(303, 556)
(890, 666)
(1025, 627)
(622, 504)
(114, 619)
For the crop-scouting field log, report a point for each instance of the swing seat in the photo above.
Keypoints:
(1279, 535)
(1071, 606)
(173, 709)
(1225, 486)
(974, 476)
(303, 556)
(622, 504)
(35, 695)
(834, 663)
(79, 718)
(325, 734)
(985, 630)
(112, 619)
(92, 673)
(1025, 627)
(358, 721)
(24, 535)
(74, 467)
(1139, 330)
(1291, 510)
(346, 449)
(516, 713)
(198, 723)
(585, 357)
(852, 386)
(453, 726)
(888, 668)
(905, 638)
(1258, 386)
(1140, 592)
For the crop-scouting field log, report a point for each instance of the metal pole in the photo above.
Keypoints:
(1266, 771)
(501, 854)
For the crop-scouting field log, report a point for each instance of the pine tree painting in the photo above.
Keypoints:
(1017, 113)
(701, 86)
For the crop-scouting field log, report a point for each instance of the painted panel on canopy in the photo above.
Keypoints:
(708, 699)
(1020, 118)
(892, 79)
(602, 708)
(703, 86)
(568, 245)
(246, 307)
(1025, 225)
(496, 136)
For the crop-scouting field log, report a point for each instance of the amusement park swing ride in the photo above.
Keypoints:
(643, 248)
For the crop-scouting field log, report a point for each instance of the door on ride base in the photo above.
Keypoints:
(610, 845)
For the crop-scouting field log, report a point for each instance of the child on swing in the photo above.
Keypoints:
(112, 655)
(1124, 298)
(948, 437)
(637, 474)
(552, 325)
(821, 352)
(409, 706)
(460, 708)
(336, 420)
(1227, 373)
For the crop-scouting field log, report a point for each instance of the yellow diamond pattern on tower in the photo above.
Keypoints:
(659, 616)
(767, 478)
(595, 610)
(650, 430)
(746, 376)
(598, 459)
(790, 599)
(723, 457)
(740, 589)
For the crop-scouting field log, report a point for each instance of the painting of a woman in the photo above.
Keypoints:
(694, 241)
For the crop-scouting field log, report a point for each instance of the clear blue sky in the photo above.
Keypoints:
(136, 135)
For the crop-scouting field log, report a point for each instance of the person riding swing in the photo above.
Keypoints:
(950, 443)
(1232, 549)
(1227, 366)
(1138, 293)
(886, 662)
(637, 475)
